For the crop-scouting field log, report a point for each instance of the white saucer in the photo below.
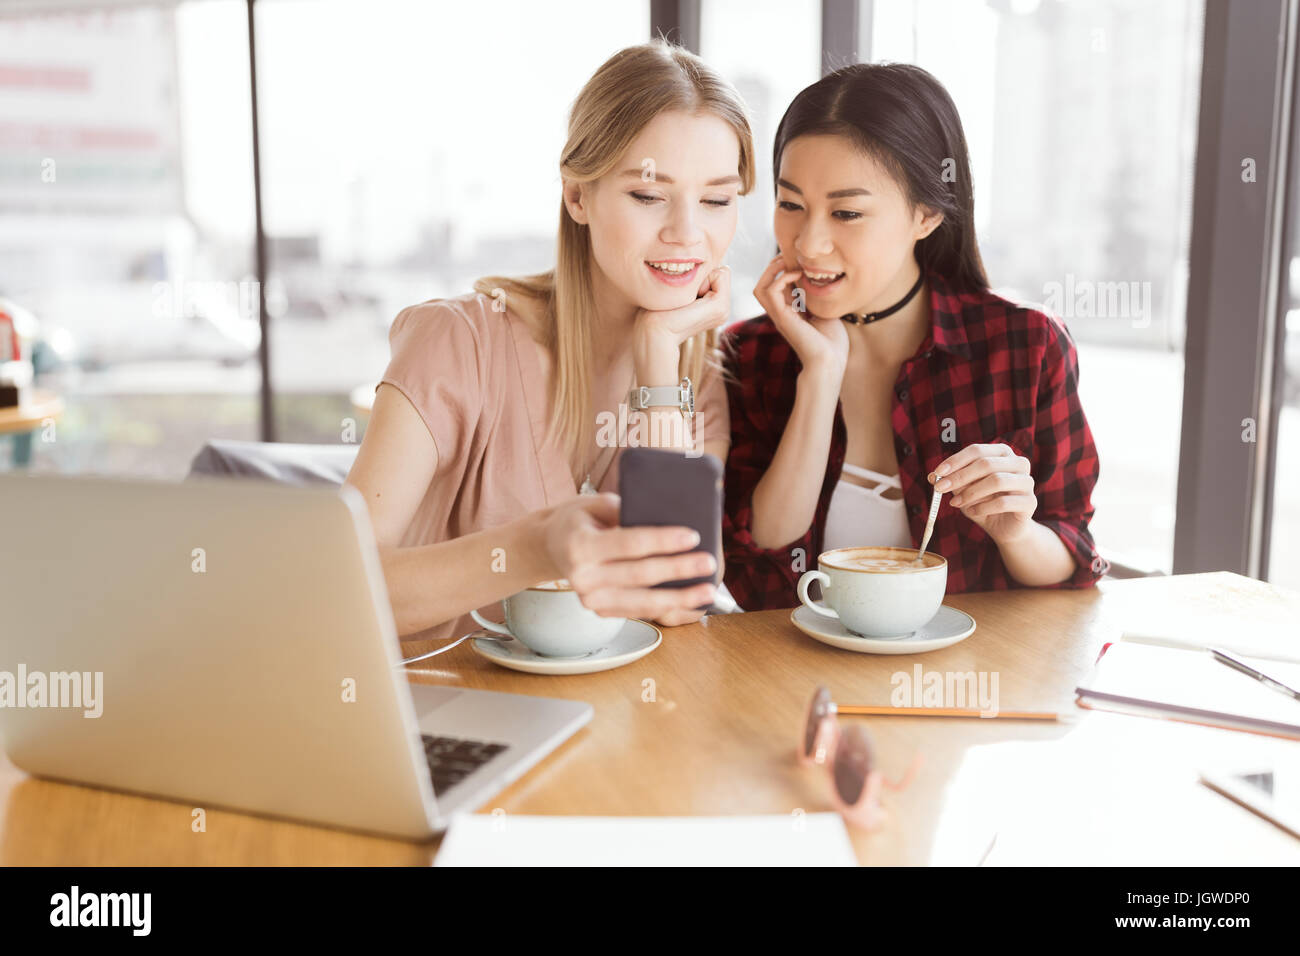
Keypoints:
(634, 641)
(947, 627)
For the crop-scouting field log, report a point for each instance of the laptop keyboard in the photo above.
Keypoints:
(451, 759)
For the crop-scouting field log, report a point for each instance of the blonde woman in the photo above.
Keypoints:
(485, 424)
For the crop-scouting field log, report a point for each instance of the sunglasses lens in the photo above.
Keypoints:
(853, 760)
(817, 711)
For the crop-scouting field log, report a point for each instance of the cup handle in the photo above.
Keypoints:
(807, 579)
(492, 626)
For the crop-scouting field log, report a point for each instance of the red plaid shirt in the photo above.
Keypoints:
(988, 371)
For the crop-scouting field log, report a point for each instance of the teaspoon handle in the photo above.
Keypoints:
(929, 524)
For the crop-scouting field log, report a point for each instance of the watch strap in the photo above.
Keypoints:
(680, 396)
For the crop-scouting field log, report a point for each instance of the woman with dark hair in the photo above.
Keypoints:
(884, 370)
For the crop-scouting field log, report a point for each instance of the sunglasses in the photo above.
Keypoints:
(849, 756)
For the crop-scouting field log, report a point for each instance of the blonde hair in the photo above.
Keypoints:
(628, 91)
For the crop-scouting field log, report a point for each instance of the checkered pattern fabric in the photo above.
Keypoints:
(988, 371)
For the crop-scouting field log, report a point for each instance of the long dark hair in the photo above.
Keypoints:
(903, 118)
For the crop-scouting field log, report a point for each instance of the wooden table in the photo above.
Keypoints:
(22, 420)
(719, 736)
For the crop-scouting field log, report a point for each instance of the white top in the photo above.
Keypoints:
(860, 516)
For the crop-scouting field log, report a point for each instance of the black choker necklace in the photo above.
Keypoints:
(884, 313)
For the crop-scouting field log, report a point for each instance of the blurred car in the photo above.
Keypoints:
(122, 322)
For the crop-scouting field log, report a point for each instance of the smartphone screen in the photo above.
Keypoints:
(660, 487)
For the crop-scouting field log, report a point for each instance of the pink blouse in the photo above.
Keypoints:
(476, 378)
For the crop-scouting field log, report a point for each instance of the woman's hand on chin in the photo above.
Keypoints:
(821, 344)
(660, 334)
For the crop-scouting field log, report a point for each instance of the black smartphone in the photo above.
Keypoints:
(662, 487)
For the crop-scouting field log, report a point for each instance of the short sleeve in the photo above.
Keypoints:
(437, 363)
(712, 421)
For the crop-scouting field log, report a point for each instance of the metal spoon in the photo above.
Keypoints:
(446, 647)
(929, 528)
(482, 636)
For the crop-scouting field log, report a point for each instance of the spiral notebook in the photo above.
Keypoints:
(1190, 685)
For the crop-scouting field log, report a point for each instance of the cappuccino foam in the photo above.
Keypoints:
(873, 564)
(879, 559)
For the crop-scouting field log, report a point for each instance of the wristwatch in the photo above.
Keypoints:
(677, 396)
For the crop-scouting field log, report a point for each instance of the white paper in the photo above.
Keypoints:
(1264, 645)
(813, 839)
(1117, 791)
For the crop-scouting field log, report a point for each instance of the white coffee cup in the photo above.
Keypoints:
(877, 592)
(552, 621)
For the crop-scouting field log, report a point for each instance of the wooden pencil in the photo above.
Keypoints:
(864, 711)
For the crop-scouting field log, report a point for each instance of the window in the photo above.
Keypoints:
(1284, 537)
(1080, 117)
(128, 238)
(769, 50)
(408, 148)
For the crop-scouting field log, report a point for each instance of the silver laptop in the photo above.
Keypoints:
(226, 642)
